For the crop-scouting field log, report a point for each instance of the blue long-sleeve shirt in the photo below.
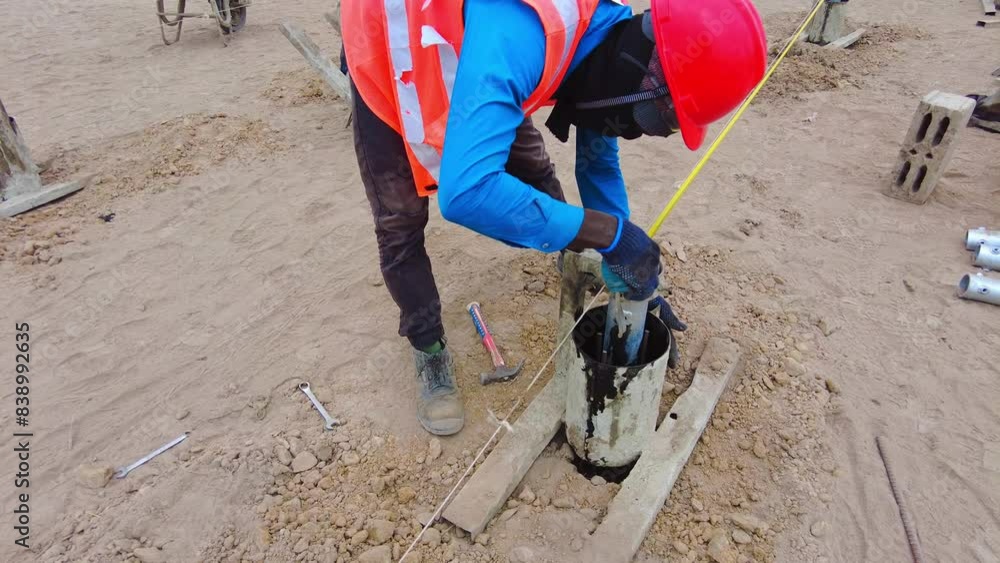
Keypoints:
(501, 64)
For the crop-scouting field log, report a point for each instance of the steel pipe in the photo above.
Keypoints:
(978, 287)
(974, 238)
(988, 257)
(612, 410)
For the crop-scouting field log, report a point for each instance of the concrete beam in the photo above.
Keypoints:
(989, 7)
(635, 507)
(488, 489)
(929, 144)
(318, 60)
(988, 23)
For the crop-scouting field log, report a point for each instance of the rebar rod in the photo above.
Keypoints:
(904, 511)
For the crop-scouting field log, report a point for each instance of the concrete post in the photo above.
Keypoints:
(18, 173)
(929, 144)
(830, 24)
(20, 185)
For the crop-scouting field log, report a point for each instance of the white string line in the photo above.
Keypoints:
(500, 426)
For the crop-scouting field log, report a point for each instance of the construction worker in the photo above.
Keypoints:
(442, 94)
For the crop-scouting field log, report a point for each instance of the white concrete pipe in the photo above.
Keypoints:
(978, 287)
(988, 257)
(611, 411)
(974, 238)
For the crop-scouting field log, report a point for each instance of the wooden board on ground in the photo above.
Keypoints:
(487, 491)
(27, 202)
(318, 60)
(333, 18)
(647, 487)
(988, 23)
(847, 40)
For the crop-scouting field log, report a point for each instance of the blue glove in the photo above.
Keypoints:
(632, 264)
(674, 324)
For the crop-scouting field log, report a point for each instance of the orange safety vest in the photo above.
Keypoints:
(403, 56)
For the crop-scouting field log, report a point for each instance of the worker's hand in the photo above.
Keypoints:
(632, 266)
(674, 324)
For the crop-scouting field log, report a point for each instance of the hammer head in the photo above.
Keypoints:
(501, 373)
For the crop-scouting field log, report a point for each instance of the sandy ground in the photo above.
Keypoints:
(224, 252)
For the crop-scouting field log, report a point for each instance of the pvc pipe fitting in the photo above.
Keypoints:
(974, 238)
(978, 287)
(988, 257)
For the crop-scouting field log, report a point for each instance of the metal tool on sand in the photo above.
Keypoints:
(501, 371)
(330, 421)
(121, 472)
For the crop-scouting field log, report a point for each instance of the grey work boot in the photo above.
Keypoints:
(440, 409)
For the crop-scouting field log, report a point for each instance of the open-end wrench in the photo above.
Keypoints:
(121, 472)
(330, 421)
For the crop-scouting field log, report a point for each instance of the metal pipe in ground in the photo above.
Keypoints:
(978, 287)
(612, 410)
(974, 238)
(988, 257)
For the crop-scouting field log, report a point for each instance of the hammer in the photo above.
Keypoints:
(500, 370)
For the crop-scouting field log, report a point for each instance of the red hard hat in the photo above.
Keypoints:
(713, 52)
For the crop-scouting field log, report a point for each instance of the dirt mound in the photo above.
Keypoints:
(152, 160)
(812, 68)
(296, 88)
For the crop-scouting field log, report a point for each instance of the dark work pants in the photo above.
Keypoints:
(401, 215)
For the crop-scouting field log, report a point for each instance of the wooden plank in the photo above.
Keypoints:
(333, 17)
(487, 491)
(988, 23)
(847, 40)
(318, 60)
(28, 201)
(989, 7)
(647, 487)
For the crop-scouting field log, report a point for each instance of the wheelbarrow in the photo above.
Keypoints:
(229, 15)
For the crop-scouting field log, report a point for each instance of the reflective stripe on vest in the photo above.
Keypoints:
(409, 100)
(404, 58)
(569, 11)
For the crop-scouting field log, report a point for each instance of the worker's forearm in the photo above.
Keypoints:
(598, 231)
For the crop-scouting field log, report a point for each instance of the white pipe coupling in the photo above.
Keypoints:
(974, 238)
(988, 257)
(978, 287)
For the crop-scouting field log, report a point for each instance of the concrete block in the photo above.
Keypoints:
(989, 7)
(929, 144)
